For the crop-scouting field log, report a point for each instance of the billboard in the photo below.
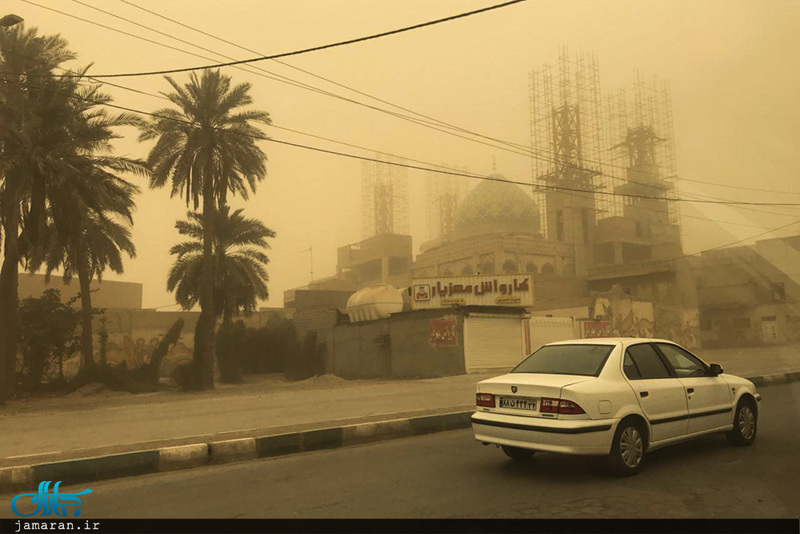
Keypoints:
(478, 290)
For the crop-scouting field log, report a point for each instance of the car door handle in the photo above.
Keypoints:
(643, 393)
(689, 390)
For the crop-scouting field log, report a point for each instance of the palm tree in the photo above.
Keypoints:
(85, 197)
(29, 146)
(84, 237)
(206, 148)
(240, 275)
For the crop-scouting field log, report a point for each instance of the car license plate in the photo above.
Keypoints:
(518, 403)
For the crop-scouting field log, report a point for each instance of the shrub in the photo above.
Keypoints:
(47, 336)
(270, 348)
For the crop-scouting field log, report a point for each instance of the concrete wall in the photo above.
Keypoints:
(398, 347)
(134, 334)
(355, 352)
(106, 294)
(413, 353)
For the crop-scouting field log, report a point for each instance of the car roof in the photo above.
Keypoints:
(610, 341)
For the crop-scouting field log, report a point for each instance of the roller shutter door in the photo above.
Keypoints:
(493, 341)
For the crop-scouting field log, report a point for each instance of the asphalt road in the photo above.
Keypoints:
(450, 475)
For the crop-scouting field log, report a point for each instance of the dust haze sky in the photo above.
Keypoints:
(732, 65)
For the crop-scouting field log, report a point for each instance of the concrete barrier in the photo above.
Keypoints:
(182, 457)
(233, 450)
(16, 478)
(98, 468)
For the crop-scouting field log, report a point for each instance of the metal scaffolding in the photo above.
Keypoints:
(384, 197)
(640, 129)
(567, 135)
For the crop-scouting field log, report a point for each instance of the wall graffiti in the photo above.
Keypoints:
(443, 332)
(136, 353)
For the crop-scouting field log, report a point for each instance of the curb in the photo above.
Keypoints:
(82, 470)
(771, 380)
(27, 477)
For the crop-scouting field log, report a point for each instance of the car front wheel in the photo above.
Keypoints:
(627, 450)
(518, 454)
(745, 424)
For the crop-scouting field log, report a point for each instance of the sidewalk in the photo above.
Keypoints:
(84, 424)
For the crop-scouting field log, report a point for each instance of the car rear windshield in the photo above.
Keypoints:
(584, 360)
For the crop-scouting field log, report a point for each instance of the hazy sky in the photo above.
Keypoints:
(732, 66)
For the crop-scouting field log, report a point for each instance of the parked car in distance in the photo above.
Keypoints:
(615, 397)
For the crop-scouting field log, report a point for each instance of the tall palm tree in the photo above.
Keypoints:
(84, 236)
(240, 275)
(29, 147)
(85, 198)
(206, 148)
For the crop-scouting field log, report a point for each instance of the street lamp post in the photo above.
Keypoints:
(10, 20)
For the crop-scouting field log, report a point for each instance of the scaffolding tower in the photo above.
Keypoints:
(642, 160)
(567, 133)
(384, 196)
(445, 193)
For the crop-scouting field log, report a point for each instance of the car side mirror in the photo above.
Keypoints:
(715, 369)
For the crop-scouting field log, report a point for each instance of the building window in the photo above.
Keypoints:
(560, 225)
(530, 267)
(638, 229)
(509, 267)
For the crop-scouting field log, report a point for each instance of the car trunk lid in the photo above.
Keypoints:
(522, 393)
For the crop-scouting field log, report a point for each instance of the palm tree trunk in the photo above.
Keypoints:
(207, 320)
(9, 324)
(85, 279)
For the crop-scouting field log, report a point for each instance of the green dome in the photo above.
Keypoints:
(497, 207)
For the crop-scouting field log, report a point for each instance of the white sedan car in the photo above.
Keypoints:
(617, 397)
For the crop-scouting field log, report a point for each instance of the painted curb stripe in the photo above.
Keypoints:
(327, 438)
(278, 445)
(100, 468)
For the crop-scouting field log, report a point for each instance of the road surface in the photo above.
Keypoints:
(449, 475)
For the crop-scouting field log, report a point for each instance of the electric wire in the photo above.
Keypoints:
(529, 151)
(305, 50)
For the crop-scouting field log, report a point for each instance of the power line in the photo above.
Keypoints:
(372, 150)
(443, 123)
(307, 50)
(398, 164)
(277, 77)
(429, 123)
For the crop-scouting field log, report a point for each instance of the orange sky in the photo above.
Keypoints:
(732, 66)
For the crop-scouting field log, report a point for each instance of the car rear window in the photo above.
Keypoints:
(583, 360)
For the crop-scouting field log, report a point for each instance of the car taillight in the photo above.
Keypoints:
(564, 407)
(484, 399)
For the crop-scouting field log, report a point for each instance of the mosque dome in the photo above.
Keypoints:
(496, 206)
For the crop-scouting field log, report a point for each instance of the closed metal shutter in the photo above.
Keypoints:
(493, 341)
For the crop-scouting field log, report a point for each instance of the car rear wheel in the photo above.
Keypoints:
(745, 424)
(627, 450)
(518, 454)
